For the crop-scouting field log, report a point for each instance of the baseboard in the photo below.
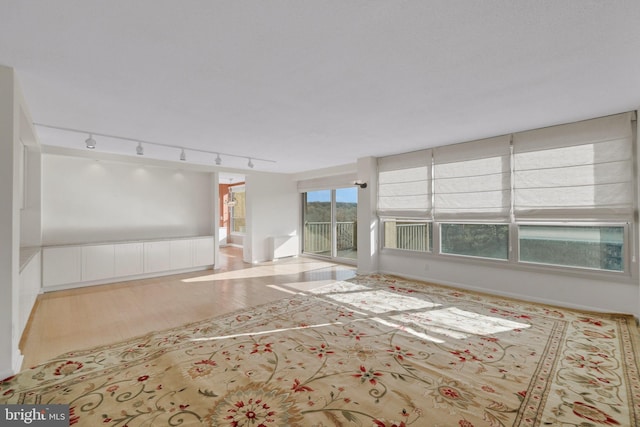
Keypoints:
(15, 368)
(17, 361)
(124, 279)
(498, 293)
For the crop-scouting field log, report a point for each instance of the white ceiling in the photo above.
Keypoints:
(317, 83)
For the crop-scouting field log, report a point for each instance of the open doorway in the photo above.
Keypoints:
(233, 222)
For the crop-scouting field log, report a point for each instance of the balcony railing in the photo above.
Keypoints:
(317, 236)
(414, 237)
(409, 236)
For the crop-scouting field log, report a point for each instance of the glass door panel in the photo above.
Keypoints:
(317, 223)
(346, 223)
(330, 223)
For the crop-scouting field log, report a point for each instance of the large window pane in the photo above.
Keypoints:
(478, 240)
(408, 235)
(330, 223)
(317, 222)
(597, 247)
(346, 222)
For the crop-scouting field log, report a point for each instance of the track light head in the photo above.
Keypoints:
(139, 149)
(250, 163)
(183, 155)
(91, 143)
(218, 160)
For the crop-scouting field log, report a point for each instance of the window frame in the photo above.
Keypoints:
(430, 240)
(628, 247)
(602, 212)
(509, 257)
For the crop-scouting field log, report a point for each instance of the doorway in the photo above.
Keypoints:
(233, 222)
(330, 223)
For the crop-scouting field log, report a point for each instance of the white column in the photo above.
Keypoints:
(9, 226)
(367, 218)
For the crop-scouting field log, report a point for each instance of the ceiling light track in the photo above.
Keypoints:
(91, 144)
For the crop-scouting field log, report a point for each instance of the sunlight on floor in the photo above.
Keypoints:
(274, 269)
(382, 301)
(405, 310)
(248, 334)
(457, 323)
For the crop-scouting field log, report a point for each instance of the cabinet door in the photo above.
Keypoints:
(97, 262)
(181, 254)
(157, 256)
(128, 259)
(203, 252)
(61, 266)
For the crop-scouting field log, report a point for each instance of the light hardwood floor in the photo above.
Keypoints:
(80, 318)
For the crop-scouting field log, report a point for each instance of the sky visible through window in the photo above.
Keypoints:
(343, 195)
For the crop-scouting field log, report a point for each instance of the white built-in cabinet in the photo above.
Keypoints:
(61, 265)
(128, 259)
(97, 262)
(181, 254)
(157, 256)
(103, 263)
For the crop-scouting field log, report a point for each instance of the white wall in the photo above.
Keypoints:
(30, 285)
(557, 289)
(9, 224)
(86, 200)
(273, 209)
(16, 132)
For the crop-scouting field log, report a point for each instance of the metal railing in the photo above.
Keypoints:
(317, 236)
(414, 237)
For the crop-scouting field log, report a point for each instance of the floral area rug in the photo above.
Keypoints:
(372, 351)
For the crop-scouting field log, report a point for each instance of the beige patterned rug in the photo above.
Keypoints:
(372, 351)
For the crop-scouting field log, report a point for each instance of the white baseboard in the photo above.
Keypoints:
(124, 279)
(16, 362)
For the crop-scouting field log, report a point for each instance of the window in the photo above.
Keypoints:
(408, 235)
(477, 240)
(472, 182)
(595, 247)
(404, 200)
(539, 191)
(331, 223)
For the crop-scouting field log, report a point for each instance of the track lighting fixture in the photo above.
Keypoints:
(91, 143)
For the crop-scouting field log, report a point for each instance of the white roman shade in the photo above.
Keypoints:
(472, 181)
(404, 185)
(581, 170)
(327, 182)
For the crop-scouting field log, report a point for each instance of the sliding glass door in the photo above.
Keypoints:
(317, 223)
(346, 208)
(330, 223)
